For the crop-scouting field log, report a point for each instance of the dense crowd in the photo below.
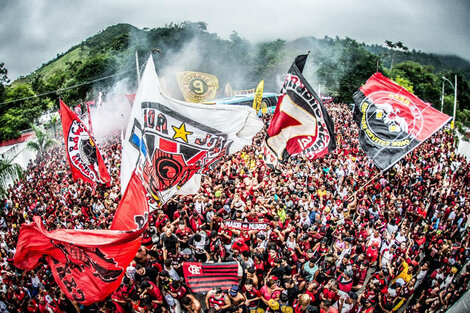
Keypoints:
(343, 237)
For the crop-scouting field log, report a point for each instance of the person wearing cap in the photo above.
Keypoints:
(237, 299)
(216, 299)
(187, 255)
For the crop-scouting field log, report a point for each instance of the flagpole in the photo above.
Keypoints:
(89, 118)
(362, 187)
(137, 65)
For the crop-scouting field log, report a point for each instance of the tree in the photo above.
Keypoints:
(425, 83)
(53, 124)
(359, 65)
(3, 81)
(41, 143)
(394, 48)
(9, 172)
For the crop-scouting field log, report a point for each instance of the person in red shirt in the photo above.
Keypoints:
(149, 288)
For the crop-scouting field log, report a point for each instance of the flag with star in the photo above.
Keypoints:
(172, 143)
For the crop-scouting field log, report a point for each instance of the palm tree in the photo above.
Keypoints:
(53, 124)
(9, 172)
(42, 142)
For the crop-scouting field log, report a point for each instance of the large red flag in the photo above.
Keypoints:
(88, 265)
(392, 120)
(83, 154)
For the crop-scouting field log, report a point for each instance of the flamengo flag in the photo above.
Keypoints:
(88, 265)
(82, 152)
(300, 123)
(392, 121)
(202, 277)
(172, 143)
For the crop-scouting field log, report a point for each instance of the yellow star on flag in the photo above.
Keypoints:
(181, 132)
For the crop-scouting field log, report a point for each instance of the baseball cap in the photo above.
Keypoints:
(186, 251)
(234, 290)
(352, 295)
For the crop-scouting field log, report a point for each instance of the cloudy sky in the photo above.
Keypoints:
(34, 31)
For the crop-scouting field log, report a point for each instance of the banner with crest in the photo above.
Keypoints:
(172, 143)
(83, 154)
(197, 87)
(392, 120)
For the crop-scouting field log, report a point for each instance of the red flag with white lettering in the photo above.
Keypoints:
(82, 152)
(88, 265)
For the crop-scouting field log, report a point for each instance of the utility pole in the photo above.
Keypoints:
(137, 66)
(452, 125)
(455, 102)
(442, 97)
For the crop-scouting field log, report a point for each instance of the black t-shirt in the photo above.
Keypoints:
(151, 274)
(292, 293)
(170, 243)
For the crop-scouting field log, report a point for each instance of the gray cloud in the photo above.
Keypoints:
(33, 32)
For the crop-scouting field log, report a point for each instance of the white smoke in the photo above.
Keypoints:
(112, 116)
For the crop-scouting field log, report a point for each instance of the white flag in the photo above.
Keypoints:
(172, 143)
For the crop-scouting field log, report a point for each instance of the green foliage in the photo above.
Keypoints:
(53, 125)
(341, 66)
(3, 81)
(405, 83)
(358, 65)
(41, 143)
(9, 172)
(18, 116)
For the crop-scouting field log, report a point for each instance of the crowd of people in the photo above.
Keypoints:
(342, 236)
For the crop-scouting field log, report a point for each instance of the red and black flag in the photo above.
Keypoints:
(82, 152)
(202, 277)
(300, 124)
(88, 265)
(392, 120)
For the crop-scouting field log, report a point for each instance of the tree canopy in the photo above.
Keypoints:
(341, 66)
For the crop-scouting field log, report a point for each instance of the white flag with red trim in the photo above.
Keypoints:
(172, 143)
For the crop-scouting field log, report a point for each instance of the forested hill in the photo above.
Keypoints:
(339, 65)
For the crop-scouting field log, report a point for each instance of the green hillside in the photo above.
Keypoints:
(339, 65)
